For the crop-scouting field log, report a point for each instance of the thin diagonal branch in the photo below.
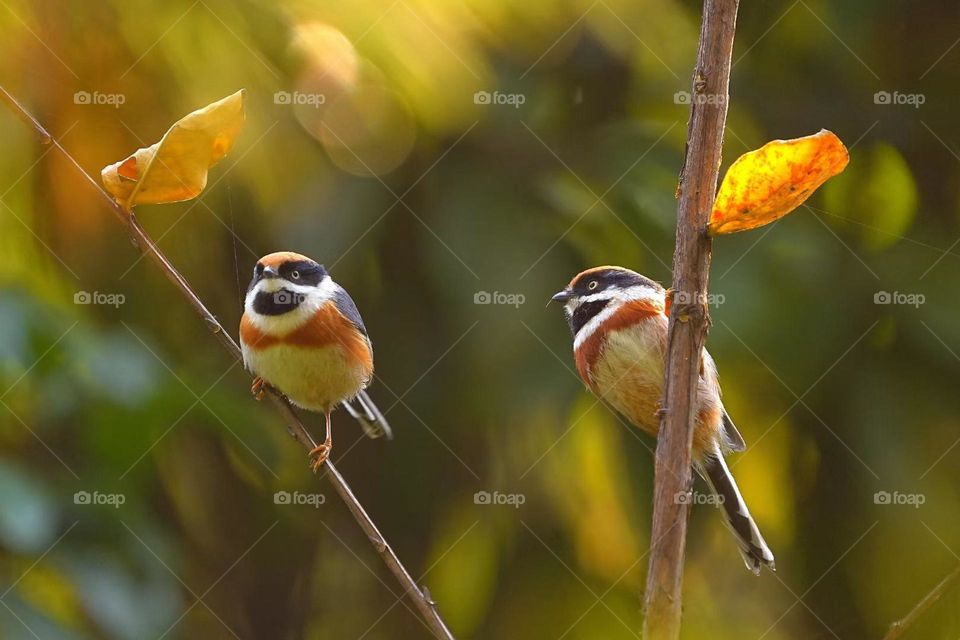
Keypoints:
(900, 627)
(689, 319)
(425, 605)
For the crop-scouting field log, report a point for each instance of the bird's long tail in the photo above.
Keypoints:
(368, 415)
(750, 542)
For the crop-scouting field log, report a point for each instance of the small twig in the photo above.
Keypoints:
(426, 606)
(898, 628)
(689, 319)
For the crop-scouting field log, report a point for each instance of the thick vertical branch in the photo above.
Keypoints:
(688, 319)
(142, 241)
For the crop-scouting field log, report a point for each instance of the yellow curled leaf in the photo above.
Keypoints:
(175, 169)
(766, 184)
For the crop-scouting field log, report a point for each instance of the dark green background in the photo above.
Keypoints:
(838, 397)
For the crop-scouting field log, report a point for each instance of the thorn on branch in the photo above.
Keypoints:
(380, 545)
(687, 311)
(213, 324)
(700, 83)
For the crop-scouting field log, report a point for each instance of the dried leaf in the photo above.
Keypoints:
(175, 169)
(766, 184)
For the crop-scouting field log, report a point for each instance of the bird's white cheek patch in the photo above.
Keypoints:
(616, 299)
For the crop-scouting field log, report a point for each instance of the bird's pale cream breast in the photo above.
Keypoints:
(592, 337)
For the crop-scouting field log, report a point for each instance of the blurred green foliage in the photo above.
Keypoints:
(419, 193)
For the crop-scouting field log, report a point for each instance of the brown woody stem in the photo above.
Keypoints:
(689, 319)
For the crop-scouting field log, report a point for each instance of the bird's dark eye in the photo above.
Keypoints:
(295, 275)
(593, 285)
(257, 270)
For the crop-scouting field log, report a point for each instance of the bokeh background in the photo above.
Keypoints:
(368, 147)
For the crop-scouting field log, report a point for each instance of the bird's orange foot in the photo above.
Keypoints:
(258, 388)
(319, 454)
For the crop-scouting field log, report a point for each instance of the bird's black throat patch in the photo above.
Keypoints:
(584, 313)
(276, 303)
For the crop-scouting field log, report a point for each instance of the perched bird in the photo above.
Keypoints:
(619, 322)
(301, 334)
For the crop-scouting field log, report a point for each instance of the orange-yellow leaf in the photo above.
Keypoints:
(770, 182)
(175, 168)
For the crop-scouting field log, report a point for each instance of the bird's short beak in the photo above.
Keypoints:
(562, 296)
(270, 272)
